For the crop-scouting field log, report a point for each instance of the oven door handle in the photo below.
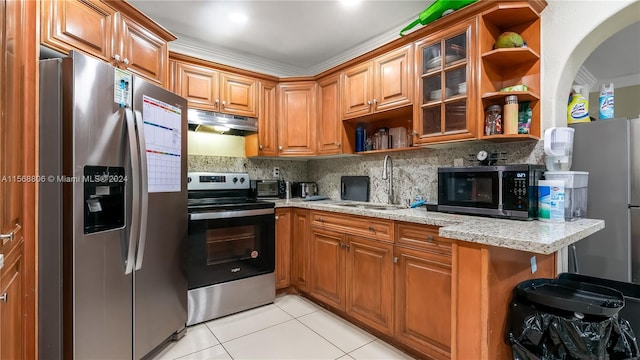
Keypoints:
(134, 228)
(144, 188)
(228, 214)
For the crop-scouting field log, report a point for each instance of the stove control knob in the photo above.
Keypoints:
(235, 180)
(188, 179)
(242, 180)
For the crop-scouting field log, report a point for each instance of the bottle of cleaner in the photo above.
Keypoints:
(578, 109)
(606, 101)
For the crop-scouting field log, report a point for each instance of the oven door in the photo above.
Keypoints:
(230, 245)
(472, 190)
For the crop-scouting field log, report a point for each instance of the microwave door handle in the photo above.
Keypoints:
(500, 189)
(135, 205)
(144, 189)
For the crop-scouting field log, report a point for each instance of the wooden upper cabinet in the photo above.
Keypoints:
(330, 129)
(114, 32)
(143, 52)
(238, 94)
(446, 97)
(393, 79)
(382, 84)
(197, 84)
(207, 88)
(267, 119)
(84, 25)
(297, 118)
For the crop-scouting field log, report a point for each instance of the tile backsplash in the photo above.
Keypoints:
(414, 171)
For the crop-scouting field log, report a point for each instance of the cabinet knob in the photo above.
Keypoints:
(372, 229)
(338, 144)
(215, 104)
(116, 57)
(260, 147)
(375, 102)
(224, 103)
(346, 246)
(320, 219)
(414, 133)
(277, 217)
(369, 102)
(395, 259)
(4, 297)
(280, 147)
(430, 238)
(125, 61)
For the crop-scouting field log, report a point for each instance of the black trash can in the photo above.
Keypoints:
(630, 291)
(567, 319)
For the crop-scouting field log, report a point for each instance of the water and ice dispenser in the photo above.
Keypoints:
(558, 148)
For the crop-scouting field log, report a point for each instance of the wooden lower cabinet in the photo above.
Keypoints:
(283, 248)
(300, 233)
(327, 267)
(11, 305)
(370, 282)
(423, 302)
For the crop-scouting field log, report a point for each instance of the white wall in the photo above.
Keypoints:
(571, 30)
(204, 143)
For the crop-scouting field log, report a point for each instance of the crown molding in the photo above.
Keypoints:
(619, 82)
(192, 47)
(585, 77)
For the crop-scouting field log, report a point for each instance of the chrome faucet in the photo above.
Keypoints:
(387, 174)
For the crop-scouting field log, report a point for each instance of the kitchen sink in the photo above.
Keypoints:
(372, 206)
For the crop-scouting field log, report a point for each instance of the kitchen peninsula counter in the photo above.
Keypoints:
(531, 236)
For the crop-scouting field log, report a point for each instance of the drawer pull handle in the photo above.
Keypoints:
(430, 238)
(9, 237)
(372, 229)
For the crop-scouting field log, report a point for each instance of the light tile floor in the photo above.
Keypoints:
(291, 328)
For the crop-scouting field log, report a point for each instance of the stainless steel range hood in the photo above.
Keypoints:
(201, 120)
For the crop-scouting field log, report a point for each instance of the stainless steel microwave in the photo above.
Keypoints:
(508, 191)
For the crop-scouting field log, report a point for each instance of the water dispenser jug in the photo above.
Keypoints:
(558, 147)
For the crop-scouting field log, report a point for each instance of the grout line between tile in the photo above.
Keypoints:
(253, 332)
(327, 340)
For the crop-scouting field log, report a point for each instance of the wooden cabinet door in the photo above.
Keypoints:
(142, 52)
(423, 302)
(357, 91)
(197, 84)
(393, 76)
(283, 248)
(300, 249)
(267, 120)
(238, 94)
(87, 25)
(327, 267)
(297, 118)
(330, 129)
(11, 306)
(370, 282)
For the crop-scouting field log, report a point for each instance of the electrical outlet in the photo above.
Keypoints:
(276, 172)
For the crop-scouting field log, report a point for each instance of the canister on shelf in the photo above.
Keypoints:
(384, 138)
(510, 119)
(493, 120)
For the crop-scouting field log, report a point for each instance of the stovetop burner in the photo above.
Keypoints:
(221, 192)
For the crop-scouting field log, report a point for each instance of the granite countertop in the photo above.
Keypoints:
(532, 236)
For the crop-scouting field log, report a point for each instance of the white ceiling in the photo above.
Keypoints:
(281, 38)
(298, 38)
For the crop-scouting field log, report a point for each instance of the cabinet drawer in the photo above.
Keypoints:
(355, 225)
(424, 237)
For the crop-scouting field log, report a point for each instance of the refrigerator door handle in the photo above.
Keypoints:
(135, 204)
(144, 189)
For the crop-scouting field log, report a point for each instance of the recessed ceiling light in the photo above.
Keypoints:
(238, 18)
(350, 3)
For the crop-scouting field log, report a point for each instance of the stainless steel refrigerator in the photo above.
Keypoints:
(112, 212)
(610, 151)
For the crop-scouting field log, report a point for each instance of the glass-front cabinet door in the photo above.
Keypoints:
(445, 65)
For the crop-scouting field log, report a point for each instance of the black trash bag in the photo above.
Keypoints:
(543, 333)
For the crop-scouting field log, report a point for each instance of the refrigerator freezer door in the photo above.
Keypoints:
(102, 292)
(634, 160)
(602, 149)
(635, 244)
(160, 282)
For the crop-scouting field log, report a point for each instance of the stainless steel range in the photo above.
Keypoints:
(231, 251)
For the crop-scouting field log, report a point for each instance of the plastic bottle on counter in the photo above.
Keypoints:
(510, 115)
